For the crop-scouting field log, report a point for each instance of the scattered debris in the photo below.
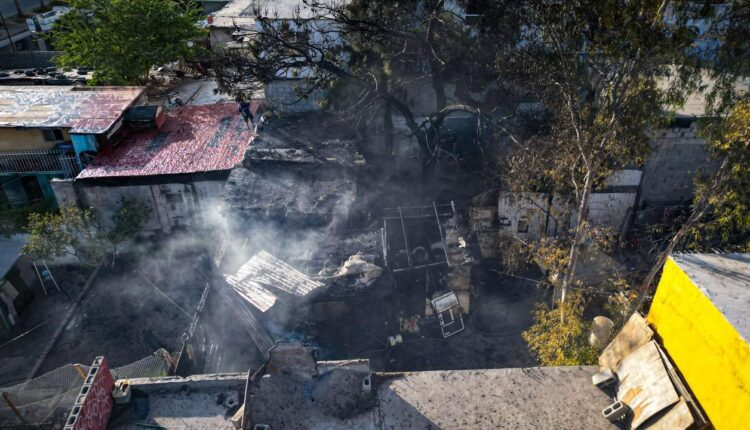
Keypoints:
(268, 270)
(357, 265)
(449, 314)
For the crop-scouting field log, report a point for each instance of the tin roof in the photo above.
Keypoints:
(193, 139)
(89, 110)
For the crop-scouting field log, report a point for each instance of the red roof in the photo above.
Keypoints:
(193, 139)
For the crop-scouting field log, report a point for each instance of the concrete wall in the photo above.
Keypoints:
(282, 95)
(12, 139)
(523, 215)
(172, 204)
(710, 354)
(611, 209)
(677, 154)
(540, 217)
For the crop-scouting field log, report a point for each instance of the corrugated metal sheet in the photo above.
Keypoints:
(85, 110)
(266, 269)
(192, 139)
(252, 291)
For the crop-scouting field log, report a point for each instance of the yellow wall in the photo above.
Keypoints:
(12, 139)
(705, 347)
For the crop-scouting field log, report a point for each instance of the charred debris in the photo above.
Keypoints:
(321, 246)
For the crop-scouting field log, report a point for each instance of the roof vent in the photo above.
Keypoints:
(144, 117)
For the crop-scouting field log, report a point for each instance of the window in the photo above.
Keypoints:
(523, 226)
(173, 198)
(55, 135)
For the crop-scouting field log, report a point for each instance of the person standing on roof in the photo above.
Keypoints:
(247, 115)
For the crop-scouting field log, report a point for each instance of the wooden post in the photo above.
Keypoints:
(51, 276)
(39, 275)
(13, 407)
(81, 372)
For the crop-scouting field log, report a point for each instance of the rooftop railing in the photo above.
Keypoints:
(51, 161)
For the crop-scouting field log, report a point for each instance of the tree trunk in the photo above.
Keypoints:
(388, 130)
(700, 209)
(19, 11)
(582, 220)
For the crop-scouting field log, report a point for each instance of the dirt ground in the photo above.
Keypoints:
(142, 304)
(39, 321)
(123, 316)
(491, 338)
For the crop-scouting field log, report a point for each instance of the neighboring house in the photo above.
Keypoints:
(235, 25)
(228, 25)
(210, 6)
(16, 274)
(15, 37)
(53, 132)
(41, 25)
(178, 167)
(532, 216)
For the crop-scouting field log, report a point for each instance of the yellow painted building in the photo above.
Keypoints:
(701, 315)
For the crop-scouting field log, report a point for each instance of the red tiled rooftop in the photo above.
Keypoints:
(192, 139)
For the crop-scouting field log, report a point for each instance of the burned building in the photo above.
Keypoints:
(300, 170)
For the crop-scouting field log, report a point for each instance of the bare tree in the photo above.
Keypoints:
(370, 55)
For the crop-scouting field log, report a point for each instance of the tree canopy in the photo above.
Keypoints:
(122, 39)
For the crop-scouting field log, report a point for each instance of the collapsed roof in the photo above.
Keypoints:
(298, 167)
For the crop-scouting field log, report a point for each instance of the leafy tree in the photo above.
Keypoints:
(122, 39)
(720, 214)
(597, 70)
(79, 232)
(129, 219)
(558, 341)
(71, 231)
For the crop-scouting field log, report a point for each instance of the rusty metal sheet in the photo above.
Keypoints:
(82, 110)
(677, 418)
(634, 334)
(192, 139)
(644, 384)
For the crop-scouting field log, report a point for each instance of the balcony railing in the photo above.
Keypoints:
(51, 161)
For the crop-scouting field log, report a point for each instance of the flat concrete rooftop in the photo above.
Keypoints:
(518, 398)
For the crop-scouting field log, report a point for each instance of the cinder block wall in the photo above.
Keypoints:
(669, 173)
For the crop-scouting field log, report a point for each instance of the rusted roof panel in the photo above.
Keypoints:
(193, 139)
(85, 110)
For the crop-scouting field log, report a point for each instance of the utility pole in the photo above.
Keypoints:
(10, 39)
